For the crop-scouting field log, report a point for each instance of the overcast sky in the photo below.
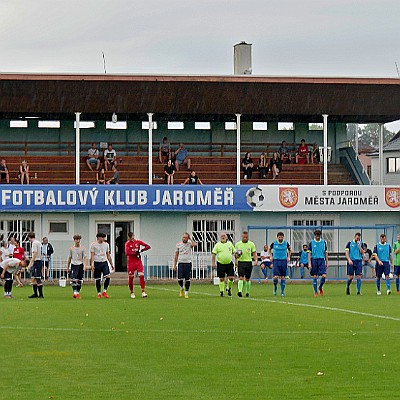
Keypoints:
(289, 37)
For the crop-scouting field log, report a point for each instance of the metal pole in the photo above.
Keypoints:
(325, 116)
(77, 148)
(150, 115)
(381, 166)
(238, 116)
(356, 141)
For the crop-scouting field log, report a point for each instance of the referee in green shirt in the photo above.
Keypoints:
(222, 260)
(246, 255)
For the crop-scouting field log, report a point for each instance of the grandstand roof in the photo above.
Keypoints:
(208, 98)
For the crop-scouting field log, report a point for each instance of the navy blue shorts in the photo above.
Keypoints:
(302, 265)
(245, 268)
(382, 269)
(279, 268)
(101, 268)
(318, 266)
(76, 272)
(267, 264)
(184, 271)
(397, 269)
(356, 268)
(36, 269)
(225, 269)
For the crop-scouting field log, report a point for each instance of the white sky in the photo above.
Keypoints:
(289, 37)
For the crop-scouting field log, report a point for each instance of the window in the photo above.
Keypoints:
(285, 126)
(116, 125)
(19, 124)
(49, 124)
(19, 229)
(176, 125)
(260, 126)
(145, 125)
(202, 125)
(230, 126)
(85, 124)
(393, 165)
(316, 126)
(58, 227)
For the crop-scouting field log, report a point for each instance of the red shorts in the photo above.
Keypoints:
(135, 267)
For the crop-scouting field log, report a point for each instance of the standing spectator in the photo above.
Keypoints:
(4, 254)
(101, 177)
(11, 246)
(302, 155)
(193, 179)
(169, 171)
(367, 259)
(247, 166)
(93, 158)
(47, 251)
(24, 172)
(4, 172)
(110, 157)
(164, 151)
(284, 153)
(263, 166)
(276, 165)
(315, 154)
(115, 178)
(181, 157)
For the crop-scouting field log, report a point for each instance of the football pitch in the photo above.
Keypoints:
(204, 347)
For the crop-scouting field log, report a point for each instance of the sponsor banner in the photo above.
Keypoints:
(244, 198)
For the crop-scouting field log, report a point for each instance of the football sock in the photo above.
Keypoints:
(187, 286)
(388, 284)
(248, 285)
(283, 284)
(98, 285)
(301, 272)
(275, 284)
(264, 271)
(230, 283)
(106, 284)
(378, 284)
(180, 283)
(348, 283)
(142, 282)
(397, 283)
(240, 285)
(321, 282)
(73, 287)
(315, 284)
(130, 282)
(40, 289)
(221, 286)
(78, 287)
(8, 287)
(358, 285)
(34, 287)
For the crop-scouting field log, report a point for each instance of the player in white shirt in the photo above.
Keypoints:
(76, 265)
(8, 268)
(99, 255)
(36, 267)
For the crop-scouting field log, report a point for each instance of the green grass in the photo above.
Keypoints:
(206, 347)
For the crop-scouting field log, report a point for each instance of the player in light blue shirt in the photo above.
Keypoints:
(383, 256)
(318, 261)
(281, 252)
(354, 251)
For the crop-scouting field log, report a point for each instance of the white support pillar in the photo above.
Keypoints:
(356, 142)
(77, 148)
(238, 160)
(381, 159)
(150, 115)
(325, 116)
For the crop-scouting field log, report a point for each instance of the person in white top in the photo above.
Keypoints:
(12, 245)
(4, 253)
(36, 267)
(183, 258)
(99, 255)
(76, 265)
(110, 157)
(266, 262)
(9, 267)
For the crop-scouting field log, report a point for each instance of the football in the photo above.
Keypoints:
(255, 197)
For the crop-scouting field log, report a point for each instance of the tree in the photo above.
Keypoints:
(368, 134)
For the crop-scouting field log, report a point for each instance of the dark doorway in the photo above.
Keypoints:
(121, 236)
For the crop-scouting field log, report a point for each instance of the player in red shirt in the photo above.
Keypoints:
(302, 153)
(19, 253)
(133, 248)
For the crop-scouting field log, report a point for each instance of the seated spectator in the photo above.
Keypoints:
(169, 171)
(110, 157)
(164, 151)
(115, 178)
(4, 172)
(315, 154)
(247, 166)
(24, 172)
(193, 179)
(302, 156)
(181, 157)
(101, 177)
(263, 166)
(93, 159)
(276, 165)
(284, 153)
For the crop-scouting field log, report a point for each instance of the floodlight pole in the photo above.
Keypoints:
(381, 160)
(238, 116)
(150, 115)
(325, 116)
(77, 148)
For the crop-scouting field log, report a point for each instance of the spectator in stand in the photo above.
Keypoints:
(24, 172)
(276, 165)
(4, 172)
(193, 179)
(247, 166)
(110, 157)
(302, 156)
(164, 151)
(181, 157)
(284, 153)
(47, 251)
(263, 166)
(101, 177)
(315, 154)
(115, 178)
(93, 158)
(169, 171)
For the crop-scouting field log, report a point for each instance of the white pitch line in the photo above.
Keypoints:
(343, 310)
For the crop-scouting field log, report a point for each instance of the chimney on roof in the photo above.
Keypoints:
(242, 59)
